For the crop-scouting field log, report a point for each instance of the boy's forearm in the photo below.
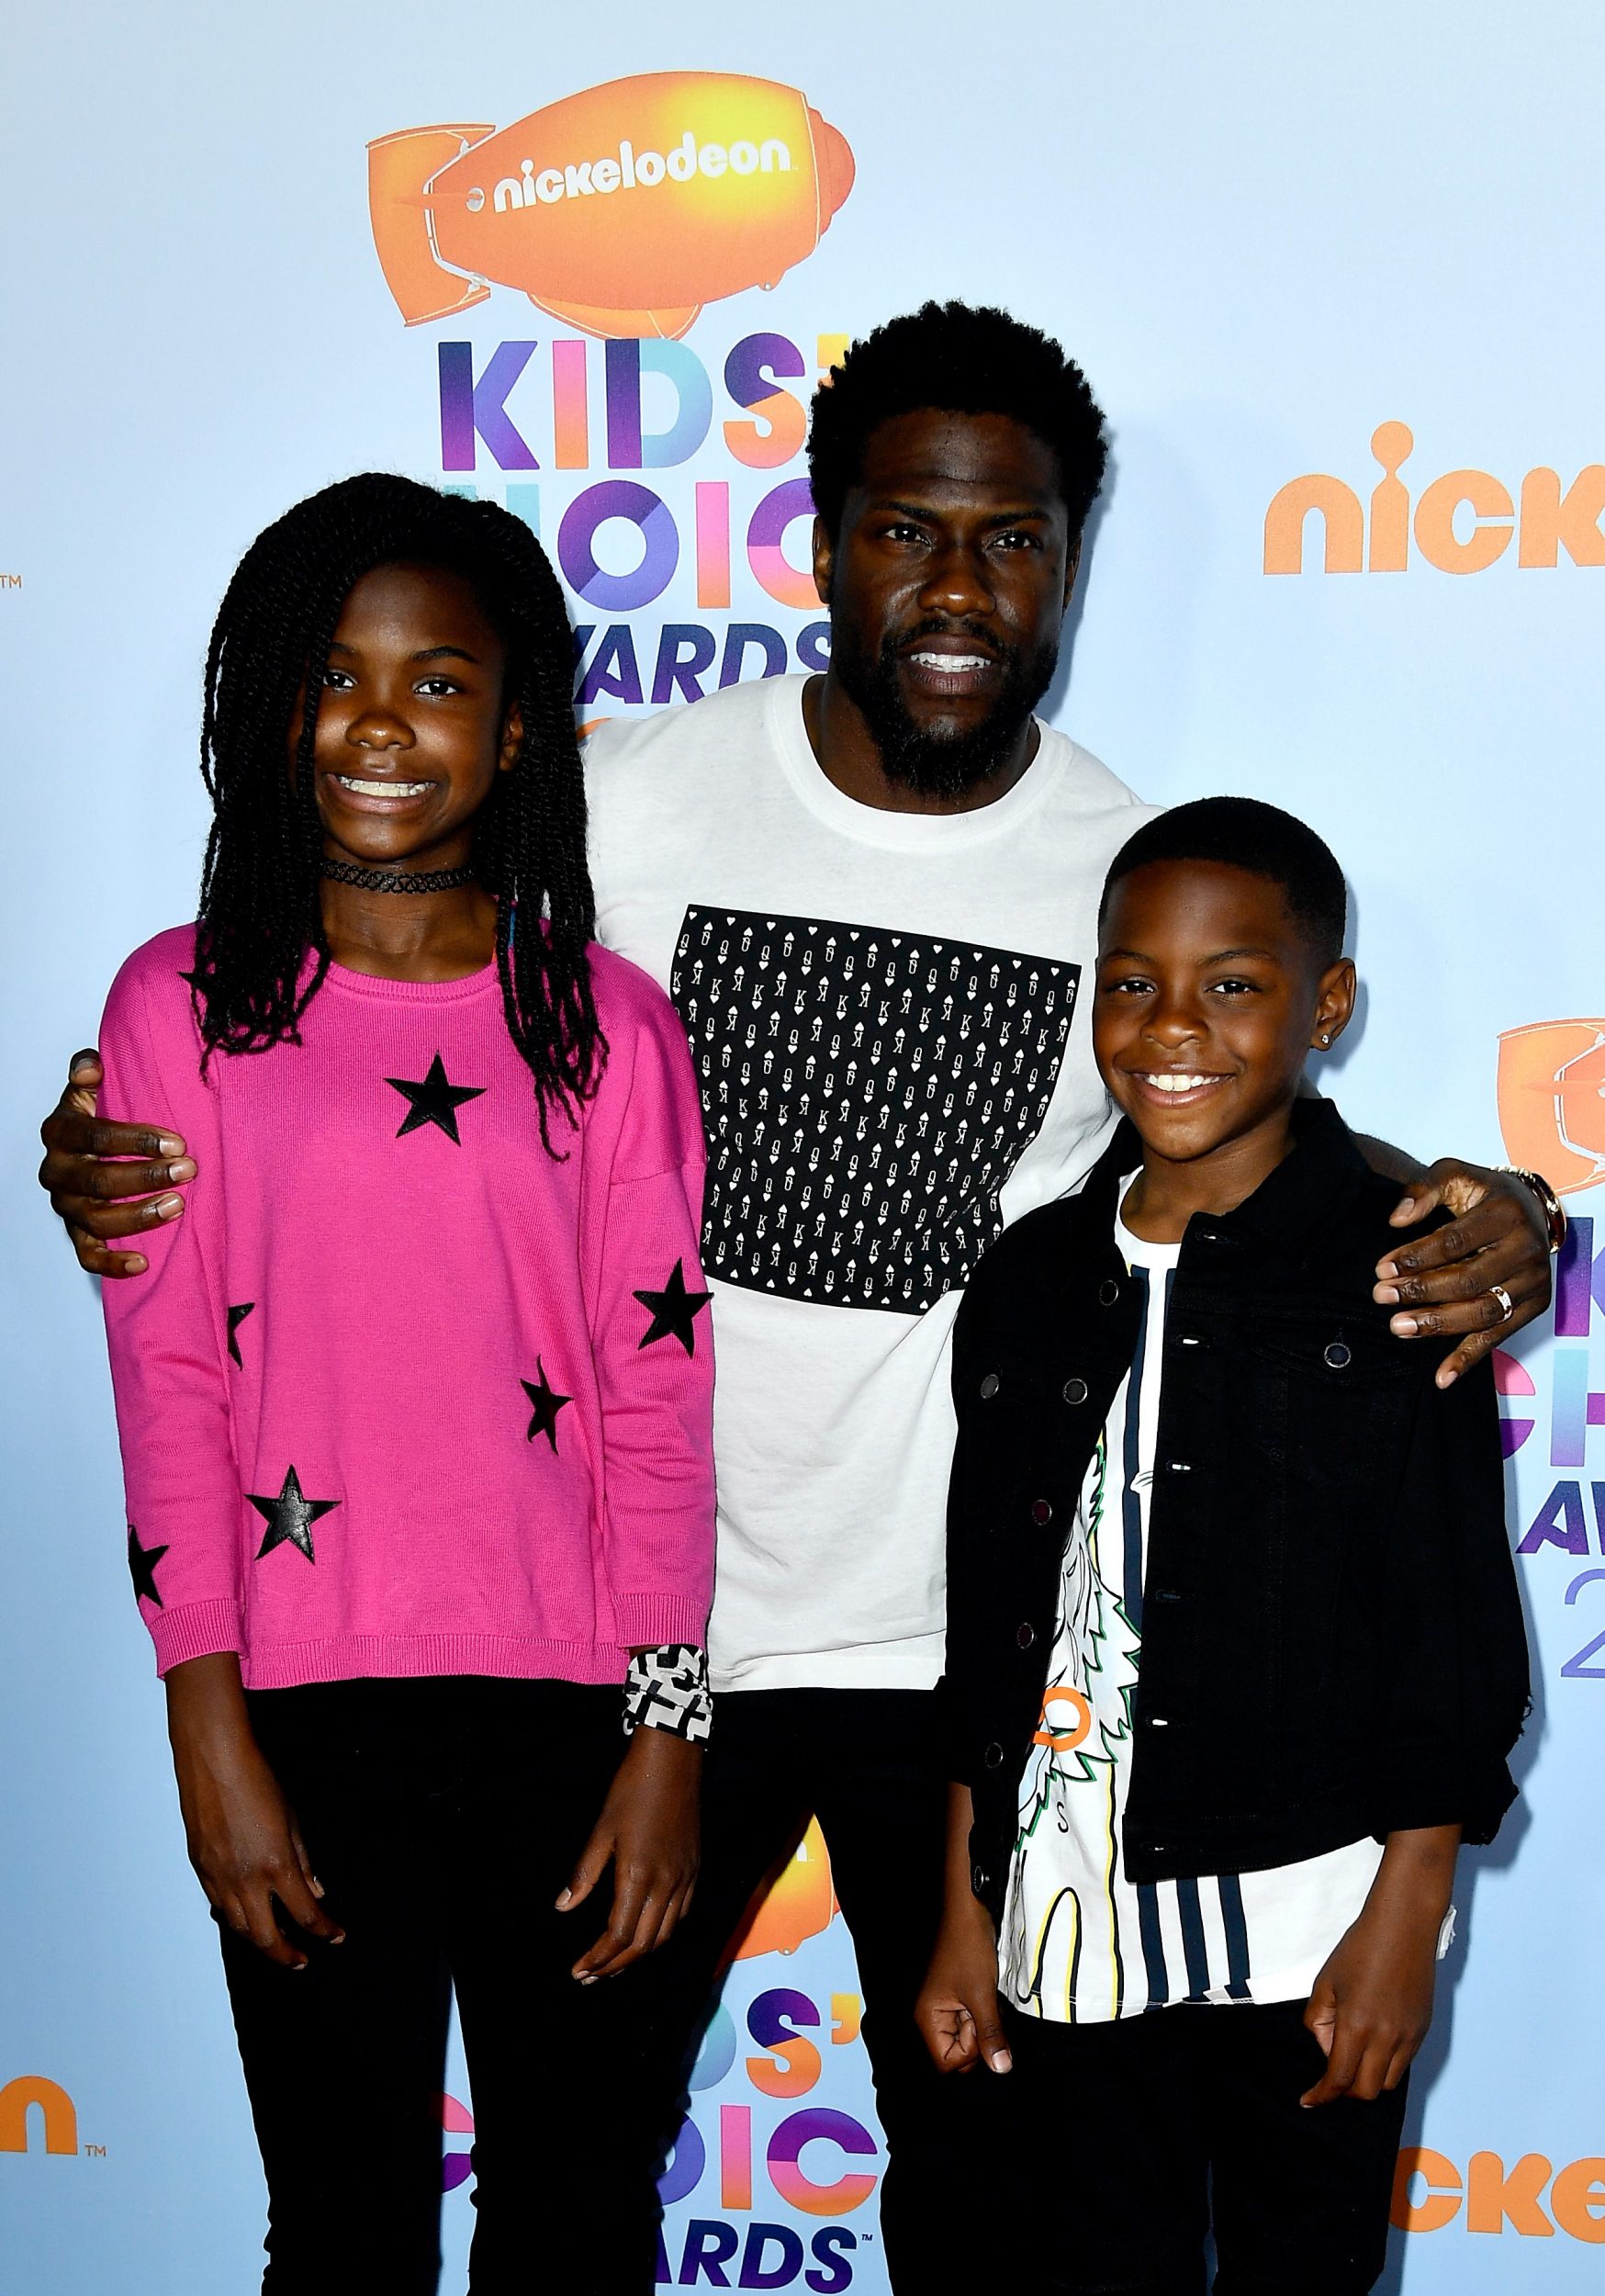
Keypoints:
(960, 1817)
(1417, 1873)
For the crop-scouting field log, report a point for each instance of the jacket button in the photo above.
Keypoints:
(1025, 1634)
(1075, 1390)
(1109, 1292)
(1338, 1356)
(978, 1878)
(1164, 1594)
(1178, 1467)
(989, 1387)
(994, 1757)
(1041, 1511)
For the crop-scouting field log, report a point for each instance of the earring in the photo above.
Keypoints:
(1323, 1042)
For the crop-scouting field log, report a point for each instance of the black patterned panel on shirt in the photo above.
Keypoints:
(867, 1094)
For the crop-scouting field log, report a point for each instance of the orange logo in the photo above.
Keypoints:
(1429, 2191)
(622, 210)
(1462, 522)
(799, 1906)
(1552, 1101)
(56, 2114)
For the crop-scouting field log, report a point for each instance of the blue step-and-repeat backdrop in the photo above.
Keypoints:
(1335, 271)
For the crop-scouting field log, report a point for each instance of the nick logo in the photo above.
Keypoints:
(57, 2116)
(620, 210)
(1463, 520)
(1552, 1101)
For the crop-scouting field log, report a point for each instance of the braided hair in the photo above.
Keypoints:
(260, 918)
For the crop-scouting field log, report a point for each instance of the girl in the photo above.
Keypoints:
(403, 1505)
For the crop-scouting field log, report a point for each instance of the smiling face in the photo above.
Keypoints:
(412, 728)
(1208, 998)
(947, 585)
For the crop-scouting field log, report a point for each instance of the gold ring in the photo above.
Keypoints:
(1498, 1291)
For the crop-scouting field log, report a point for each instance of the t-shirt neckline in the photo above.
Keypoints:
(1134, 1249)
(903, 832)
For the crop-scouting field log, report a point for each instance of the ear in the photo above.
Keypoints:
(1072, 568)
(513, 740)
(823, 562)
(1334, 1005)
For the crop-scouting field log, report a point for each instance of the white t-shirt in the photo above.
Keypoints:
(890, 1016)
(1081, 1944)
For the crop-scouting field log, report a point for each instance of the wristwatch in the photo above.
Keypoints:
(1554, 1212)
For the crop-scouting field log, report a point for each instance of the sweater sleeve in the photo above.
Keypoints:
(166, 1331)
(653, 1344)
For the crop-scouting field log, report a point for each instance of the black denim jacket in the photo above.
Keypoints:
(1332, 1640)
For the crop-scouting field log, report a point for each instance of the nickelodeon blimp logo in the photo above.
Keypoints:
(799, 1904)
(1552, 1101)
(622, 210)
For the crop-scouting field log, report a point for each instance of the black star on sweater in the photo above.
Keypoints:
(290, 1517)
(547, 1403)
(142, 1562)
(674, 1311)
(434, 1101)
(236, 1317)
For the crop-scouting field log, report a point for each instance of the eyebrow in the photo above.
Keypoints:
(929, 511)
(1219, 956)
(425, 653)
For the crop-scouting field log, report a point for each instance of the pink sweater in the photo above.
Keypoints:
(401, 1394)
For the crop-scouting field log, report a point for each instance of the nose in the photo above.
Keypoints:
(957, 582)
(1174, 1022)
(376, 727)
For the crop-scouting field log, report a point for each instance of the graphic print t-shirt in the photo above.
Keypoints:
(1080, 1943)
(888, 1016)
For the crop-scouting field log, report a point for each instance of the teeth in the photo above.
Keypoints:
(954, 661)
(1169, 1083)
(381, 789)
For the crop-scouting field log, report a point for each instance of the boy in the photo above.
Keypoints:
(1235, 1654)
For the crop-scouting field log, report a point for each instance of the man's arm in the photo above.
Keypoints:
(92, 1170)
(1448, 1283)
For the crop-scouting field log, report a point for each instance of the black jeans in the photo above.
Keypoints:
(1130, 2141)
(442, 1817)
(869, 1763)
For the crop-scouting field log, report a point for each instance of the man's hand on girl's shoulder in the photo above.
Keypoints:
(107, 1180)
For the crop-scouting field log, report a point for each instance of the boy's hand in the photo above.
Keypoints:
(91, 1190)
(957, 2012)
(1372, 2004)
(1446, 1280)
(648, 1832)
(243, 1841)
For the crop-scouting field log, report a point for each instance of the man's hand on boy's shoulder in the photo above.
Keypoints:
(1478, 1279)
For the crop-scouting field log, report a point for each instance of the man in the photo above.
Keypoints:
(873, 895)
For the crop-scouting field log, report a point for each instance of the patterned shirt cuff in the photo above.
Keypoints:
(668, 1690)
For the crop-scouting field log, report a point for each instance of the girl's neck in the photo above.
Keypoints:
(410, 936)
(1167, 1193)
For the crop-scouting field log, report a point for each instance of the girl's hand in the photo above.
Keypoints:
(648, 1832)
(1372, 2004)
(957, 2010)
(243, 1840)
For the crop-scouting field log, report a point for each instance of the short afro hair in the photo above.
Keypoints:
(966, 360)
(1245, 834)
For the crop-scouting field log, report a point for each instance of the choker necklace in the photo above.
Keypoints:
(399, 879)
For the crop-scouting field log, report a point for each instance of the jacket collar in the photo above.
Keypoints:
(1291, 1209)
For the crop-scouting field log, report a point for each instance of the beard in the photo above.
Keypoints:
(933, 762)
